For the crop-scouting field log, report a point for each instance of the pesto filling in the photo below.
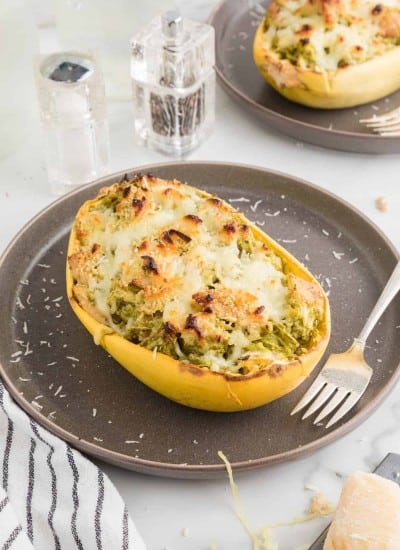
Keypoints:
(331, 46)
(204, 337)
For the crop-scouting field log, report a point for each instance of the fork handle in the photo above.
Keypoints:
(388, 293)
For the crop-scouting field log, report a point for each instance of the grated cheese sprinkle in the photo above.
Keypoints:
(262, 540)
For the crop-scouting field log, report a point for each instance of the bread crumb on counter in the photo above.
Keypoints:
(320, 505)
(381, 204)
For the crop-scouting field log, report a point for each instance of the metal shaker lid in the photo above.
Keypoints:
(171, 23)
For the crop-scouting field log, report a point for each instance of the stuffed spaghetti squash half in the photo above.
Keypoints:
(192, 298)
(330, 53)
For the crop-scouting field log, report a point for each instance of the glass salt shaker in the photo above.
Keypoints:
(73, 111)
(173, 83)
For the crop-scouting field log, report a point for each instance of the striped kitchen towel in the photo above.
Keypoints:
(51, 496)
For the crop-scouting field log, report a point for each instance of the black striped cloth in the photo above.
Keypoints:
(51, 496)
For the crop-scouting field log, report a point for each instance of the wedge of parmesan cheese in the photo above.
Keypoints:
(367, 516)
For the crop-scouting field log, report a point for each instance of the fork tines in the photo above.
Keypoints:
(387, 124)
(333, 396)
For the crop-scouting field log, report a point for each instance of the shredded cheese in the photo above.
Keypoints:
(262, 540)
(238, 505)
(100, 333)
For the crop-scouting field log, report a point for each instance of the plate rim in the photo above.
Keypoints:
(238, 94)
(195, 471)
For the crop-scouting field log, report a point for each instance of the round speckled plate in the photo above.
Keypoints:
(56, 373)
(235, 23)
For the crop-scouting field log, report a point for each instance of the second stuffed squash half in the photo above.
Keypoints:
(330, 54)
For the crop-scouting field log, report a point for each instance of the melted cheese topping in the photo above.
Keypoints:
(161, 261)
(329, 34)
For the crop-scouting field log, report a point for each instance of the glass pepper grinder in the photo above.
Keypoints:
(173, 83)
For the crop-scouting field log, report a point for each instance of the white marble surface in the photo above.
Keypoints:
(181, 515)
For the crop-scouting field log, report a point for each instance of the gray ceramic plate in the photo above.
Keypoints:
(56, 373)
(235, 23)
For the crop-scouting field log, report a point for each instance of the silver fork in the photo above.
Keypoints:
(387, 124)
(345, 376)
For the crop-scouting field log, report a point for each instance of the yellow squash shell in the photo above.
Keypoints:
(345, 87)
(199, 387)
